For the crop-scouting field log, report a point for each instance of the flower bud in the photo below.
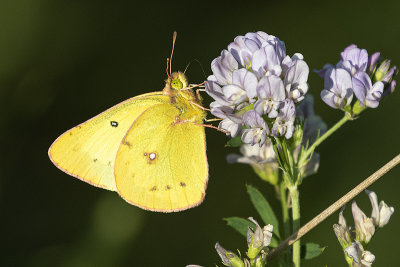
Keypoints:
(382, 70)
(228, 258)
(372, 62)
(380, 214)
(361, 257)
(365, 228)
(385, 212)
(389, 88)
(342, 231)
(258, 239)
(367, 258)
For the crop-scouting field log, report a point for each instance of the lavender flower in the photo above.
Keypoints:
(258, 128)
(283, 125)
(337, 91)
(266, 62)
(296, 80)
(223, 66)
(232, 124)
(255, 77)
(244, 47)
(367, 94)
(353, 59)
(243, 87)
(362, 70)
(270, 93)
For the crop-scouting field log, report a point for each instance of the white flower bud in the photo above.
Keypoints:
(385, 212)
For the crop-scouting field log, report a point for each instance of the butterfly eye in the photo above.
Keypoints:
(176, 84)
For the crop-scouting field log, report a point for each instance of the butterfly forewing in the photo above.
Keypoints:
(88, 150)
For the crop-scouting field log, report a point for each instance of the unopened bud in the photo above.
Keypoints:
(228, 258)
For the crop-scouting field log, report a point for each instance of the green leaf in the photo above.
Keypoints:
(311, 250)
(263, 208)
(235, 142)
(239, 224)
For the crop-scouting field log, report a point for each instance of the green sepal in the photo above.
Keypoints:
(357, 108)
(253, 252)
(244, 110)
(235, 260)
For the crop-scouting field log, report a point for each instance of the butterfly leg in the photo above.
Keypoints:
(211, 126)
(199, 106)
(215, 119)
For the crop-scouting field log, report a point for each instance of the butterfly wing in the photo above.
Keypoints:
(88, 150)
(161, 164)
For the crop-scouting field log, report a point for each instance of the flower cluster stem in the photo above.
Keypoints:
(326, 135)
(285, 210)
(294, 196)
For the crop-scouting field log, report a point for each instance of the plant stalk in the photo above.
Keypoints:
(294, 196)
(285, 209)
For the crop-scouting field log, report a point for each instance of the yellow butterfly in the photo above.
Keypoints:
(150, 149)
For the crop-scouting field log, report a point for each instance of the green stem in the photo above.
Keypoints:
(285, 209)
(294, 195)
(326, 135)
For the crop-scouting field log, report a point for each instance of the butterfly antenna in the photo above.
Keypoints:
(166, 70)
(172, 52)
(201, 66)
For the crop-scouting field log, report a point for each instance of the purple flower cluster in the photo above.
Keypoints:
(359, 74)
(255, 86)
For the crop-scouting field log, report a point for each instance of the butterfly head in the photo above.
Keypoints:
(175, 82)
(178, 80)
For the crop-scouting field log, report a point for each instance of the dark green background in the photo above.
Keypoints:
(62, 62)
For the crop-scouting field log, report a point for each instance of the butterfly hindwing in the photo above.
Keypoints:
(161, 164)
(88, 150)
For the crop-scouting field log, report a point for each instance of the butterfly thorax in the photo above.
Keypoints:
(183, 97)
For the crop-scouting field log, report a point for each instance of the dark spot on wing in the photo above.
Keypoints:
(127, 163)
(109, 163)
(94, 160)
(182, 184)
(127, 143)
(114, 124)
(70, 133)
(154, 188)
(167, 187)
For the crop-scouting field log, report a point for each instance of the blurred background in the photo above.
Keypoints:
(62, 62)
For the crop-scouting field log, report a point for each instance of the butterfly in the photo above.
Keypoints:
(150, 149)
